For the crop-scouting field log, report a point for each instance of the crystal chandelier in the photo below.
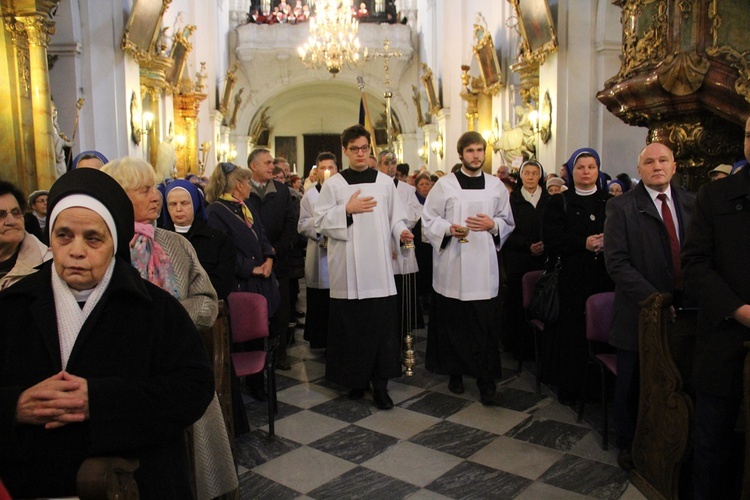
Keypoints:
(333, 37)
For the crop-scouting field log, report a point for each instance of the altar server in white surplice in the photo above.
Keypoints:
(467, 218)
(359, 212)
(405, 266)
(316, 257)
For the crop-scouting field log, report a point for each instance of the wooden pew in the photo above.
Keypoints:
(217, 342)
(107, 478)
(663, 433)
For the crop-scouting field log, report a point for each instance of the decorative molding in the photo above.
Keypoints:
(651, 47)
(739, 61)
(19, 39)
(65, 49)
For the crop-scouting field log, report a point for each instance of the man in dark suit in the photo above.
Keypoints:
(273, 201)
(715, 261)
(642, 258)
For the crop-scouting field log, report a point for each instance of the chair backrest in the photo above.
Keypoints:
(527, 286)
(248, 316)
(599, 316)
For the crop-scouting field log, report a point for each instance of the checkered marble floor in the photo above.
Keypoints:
(433, 444)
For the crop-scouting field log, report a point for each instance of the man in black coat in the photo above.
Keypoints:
(715, 260)
(639, 258)
(273, 201)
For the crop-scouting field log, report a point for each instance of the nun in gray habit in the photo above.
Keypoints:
(95, 360)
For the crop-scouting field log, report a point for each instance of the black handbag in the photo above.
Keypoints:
(545, 304)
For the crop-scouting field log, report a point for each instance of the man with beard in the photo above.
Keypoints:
(359, 212)
(466, 218)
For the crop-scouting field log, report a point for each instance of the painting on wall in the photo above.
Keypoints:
(286, 147)
(537, 29)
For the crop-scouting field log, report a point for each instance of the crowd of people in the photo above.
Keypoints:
(281, 12)
(107, 276)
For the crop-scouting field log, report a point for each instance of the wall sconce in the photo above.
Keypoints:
(222, 150)
(437, 145)
(140, 124)
(493, 136)
(232, 155)
(541, 123)
(424, 154)
(204, 149)
(179, 142)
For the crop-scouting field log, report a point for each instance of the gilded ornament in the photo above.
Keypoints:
(682, 74)
(739, 61)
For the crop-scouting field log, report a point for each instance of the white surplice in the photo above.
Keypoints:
(359, 255)
(466, 271)
(406, 260)
(316, 257)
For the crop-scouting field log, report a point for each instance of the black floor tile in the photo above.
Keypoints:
(454, 439)
(355, 444)
(587, 477)
(470, 480)
(363, 483)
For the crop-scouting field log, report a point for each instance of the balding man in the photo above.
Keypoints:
(643, 232)
(715, 259)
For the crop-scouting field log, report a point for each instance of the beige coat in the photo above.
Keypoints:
(32, 253)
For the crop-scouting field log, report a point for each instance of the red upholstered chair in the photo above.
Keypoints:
(537, 327)
(598, 323)
(248, 315)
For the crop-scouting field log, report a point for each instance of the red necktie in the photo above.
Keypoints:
(674, 243)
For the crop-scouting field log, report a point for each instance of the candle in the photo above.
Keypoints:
(326, 175)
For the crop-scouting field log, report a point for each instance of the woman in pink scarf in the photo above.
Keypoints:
(163, 257)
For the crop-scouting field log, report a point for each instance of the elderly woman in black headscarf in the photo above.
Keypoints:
(96, 360)
(522, 252)
(573, 229)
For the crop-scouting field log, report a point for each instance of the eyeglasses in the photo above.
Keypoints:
(16, 213)
(363, 149)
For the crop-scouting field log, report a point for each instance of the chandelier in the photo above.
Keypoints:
(333, 37)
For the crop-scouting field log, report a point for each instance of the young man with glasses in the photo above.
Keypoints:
(359, 212)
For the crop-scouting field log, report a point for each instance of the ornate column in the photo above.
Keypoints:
(685, 76)
(186, 106)
(27, 121)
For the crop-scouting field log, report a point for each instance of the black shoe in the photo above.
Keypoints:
(567, 398)
(456, 384)
(382, 399)
(489, 398)
(299, 314)
(283, 363)
(356, 394)
(625, 460)
(258, 394)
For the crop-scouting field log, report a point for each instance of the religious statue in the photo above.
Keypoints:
(60, 141)
(166, 159)
(237, 104)
(200, 78)
(162, 44)
(518, 141)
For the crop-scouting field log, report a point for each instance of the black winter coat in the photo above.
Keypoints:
(148, 378)
(516, 251)
(715, 260)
